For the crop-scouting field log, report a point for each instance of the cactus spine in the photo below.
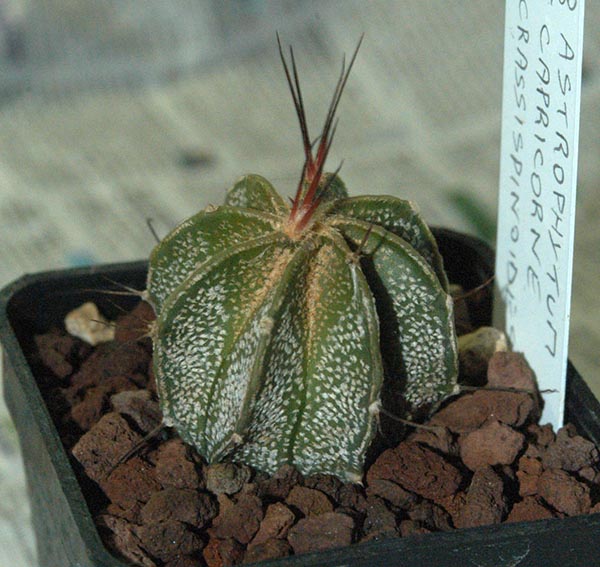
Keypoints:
(281, 327)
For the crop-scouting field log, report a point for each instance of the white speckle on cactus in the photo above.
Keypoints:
(266, 325)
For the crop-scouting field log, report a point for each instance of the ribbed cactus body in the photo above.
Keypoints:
(272, 346)
(283, 330)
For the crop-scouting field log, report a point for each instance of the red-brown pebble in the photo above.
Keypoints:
(167, 540)
(91, 402)
(353, 496)
(275, 525)
(493, 444)
(326, 483)
(270, 549)
(528, 484)
(529, 510)
(380, 521)
(510, 370)
(56, 350)
(103, 445)
(564, 493)
(438, 438)
(530, 465)
(308, 501)
(131, 482)
(174, 467)
(543, 435)
(453, 505)
(471, 411)
(88, 411)
(417, 469)
(182, 505)
(430, 515)
(590, 474)
(131, 514)
(124, 539)
(184, 561)
(279, 485)
(392, 493)
(139, 406)
(108, 360)
(528, 474)
(321, 532)
(223, 552)
(240, 521)
(485, 502)
(569, 451)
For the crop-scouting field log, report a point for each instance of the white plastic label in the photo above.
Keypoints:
(538, 176)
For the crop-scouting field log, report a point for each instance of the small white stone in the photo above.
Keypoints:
(88, 324)
(475, 349)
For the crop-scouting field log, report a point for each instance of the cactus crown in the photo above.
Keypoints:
(312, 188)
(283, 329)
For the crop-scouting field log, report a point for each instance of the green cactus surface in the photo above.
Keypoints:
(281, 326)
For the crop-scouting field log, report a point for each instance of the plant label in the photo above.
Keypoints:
(538, 176)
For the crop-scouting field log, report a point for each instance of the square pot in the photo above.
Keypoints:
(66, 534)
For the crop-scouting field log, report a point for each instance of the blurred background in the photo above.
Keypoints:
(115, 111)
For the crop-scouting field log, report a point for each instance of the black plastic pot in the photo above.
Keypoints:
(67, 536)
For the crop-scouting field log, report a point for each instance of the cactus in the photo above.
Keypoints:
(281, 328)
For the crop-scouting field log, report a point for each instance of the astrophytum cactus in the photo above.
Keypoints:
(280, 326)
